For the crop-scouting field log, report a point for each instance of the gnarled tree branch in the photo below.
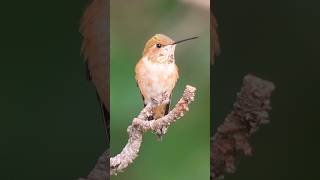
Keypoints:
(140, 125)
(232, 138)
(100, 172)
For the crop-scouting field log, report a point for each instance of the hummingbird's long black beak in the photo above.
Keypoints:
(184, 40)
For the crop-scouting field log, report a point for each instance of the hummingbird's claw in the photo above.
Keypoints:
(155, 100)
(162, 99)
(165, 97)
(149, 114)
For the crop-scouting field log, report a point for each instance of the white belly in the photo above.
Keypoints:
(154, 79)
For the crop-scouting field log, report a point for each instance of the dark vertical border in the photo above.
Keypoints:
(108, 73)
(108, 82)
(211, 84)
(213, 47)
(95, 28)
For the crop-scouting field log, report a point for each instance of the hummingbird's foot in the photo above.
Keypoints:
(162, 99)
(149, 115)
(165, 97)
(156, 100)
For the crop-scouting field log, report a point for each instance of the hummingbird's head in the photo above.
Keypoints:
(160, 49)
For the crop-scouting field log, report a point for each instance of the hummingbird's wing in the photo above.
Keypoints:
(167, 108)
(144, 105)
(95, 50)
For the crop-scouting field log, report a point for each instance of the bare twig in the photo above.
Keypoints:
(135, 130)
(232, 138)
(141, 124)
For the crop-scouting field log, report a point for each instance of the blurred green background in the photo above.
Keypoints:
(184, 151)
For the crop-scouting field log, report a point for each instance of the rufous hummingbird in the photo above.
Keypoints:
(157, 72)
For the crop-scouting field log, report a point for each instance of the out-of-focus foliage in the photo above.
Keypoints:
(184, 151)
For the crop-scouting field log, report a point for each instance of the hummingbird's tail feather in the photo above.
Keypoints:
(106, 121)
(167, 108)
(160, 111)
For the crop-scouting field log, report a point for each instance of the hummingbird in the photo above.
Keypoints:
(157, 72)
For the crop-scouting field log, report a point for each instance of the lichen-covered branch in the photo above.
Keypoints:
(232, 138)
(141, 124)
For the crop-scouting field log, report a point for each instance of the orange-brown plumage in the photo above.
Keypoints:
(156, 72)
(158, 38)
(94, 28)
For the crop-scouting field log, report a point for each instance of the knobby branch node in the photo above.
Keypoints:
(140, 125)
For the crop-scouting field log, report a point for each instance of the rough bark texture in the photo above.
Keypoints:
(140, 125)
(232, 138)
(99, 172)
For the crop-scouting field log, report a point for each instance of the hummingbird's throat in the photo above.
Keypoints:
(165, 55)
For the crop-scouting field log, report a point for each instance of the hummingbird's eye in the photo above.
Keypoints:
(158, 45)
